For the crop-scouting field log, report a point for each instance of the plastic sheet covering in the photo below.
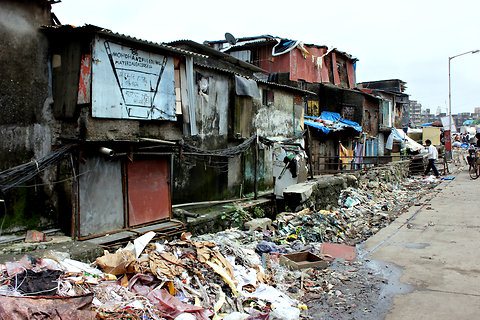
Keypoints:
(331, 116)
(331, 121)
(399, 135)
(54, 308)
(246, 87)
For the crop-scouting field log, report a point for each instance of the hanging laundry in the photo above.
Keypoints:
(359, 148)
(343, 154)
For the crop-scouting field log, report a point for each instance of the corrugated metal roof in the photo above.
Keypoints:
(242, 39)
(88, 28)
(257, 80)
(348, 55)
(257, 40)
(212, 52)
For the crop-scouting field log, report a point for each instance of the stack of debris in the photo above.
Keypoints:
(183, 279)
(266, 272)
(361, 212)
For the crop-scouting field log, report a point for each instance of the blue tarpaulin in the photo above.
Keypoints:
(317, 125)
(336, 122)
(330, 116)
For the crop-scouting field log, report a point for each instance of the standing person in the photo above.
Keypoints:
(432, 156)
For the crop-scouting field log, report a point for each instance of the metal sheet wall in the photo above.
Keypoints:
(101, 197)
(128, 83)
(148, 191)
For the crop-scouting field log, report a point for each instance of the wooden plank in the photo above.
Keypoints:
(115, 237)
(162, 226)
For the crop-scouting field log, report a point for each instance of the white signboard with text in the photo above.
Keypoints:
(128, 83)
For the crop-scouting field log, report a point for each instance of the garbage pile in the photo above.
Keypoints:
(182, 279)
(360, 213)
(229, 275)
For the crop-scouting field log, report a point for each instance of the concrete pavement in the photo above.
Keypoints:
(437, 246)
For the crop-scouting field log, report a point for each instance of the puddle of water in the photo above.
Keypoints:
(414, 245)
(392, 286)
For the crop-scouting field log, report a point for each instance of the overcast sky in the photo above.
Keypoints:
(410, 39)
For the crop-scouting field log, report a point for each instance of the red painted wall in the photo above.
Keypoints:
(351, 75)
(336, 76)
(300, 68)
(306, 68)
(266, 61)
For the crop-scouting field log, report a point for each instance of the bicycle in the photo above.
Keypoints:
(474, 163)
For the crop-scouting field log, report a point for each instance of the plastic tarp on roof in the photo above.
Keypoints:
(246, 87)
(400, 135)
(331, 121)
(468, 122)
(427, 124)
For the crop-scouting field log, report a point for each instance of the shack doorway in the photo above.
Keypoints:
(148, 188)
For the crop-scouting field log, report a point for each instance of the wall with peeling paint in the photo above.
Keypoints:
(281, 119)
(27, 126)
(203, 178)
(284, 118)
(224, 120)
(212, 101)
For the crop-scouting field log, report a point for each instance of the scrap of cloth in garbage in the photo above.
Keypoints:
(54, 308)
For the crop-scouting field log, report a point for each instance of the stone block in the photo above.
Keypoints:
(35, 236)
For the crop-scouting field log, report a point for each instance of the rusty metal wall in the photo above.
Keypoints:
(308, 68)
(148, 191)
(101, 196)
(336, 76)
(351, 75)
(311, 68)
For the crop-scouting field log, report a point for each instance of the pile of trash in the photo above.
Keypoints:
(182, 279)
(233, 274)
(361, 212)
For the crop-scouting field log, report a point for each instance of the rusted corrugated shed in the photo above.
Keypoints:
(309, 67)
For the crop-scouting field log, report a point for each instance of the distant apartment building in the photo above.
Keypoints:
(462, 117)
(476, 110)
(427, 116)
(414, 110)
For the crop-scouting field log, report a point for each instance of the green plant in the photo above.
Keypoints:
(236, 216)
(258, 212)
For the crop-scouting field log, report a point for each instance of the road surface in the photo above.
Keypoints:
(436, 244)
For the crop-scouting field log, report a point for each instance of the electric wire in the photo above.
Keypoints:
(17, 175)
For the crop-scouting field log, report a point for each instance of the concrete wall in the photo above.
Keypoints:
(27, 127)
(24, 82)
(108, 129)
(282, 119)
(23, 57)
(323, 192)
(203, 178)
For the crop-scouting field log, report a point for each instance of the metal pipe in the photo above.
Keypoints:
(107, 151)
(159, 141)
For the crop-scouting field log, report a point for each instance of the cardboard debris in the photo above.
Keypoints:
(116, 263)
(338, 251)
(302, 260)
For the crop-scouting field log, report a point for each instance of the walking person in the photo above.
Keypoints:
(432, 156)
